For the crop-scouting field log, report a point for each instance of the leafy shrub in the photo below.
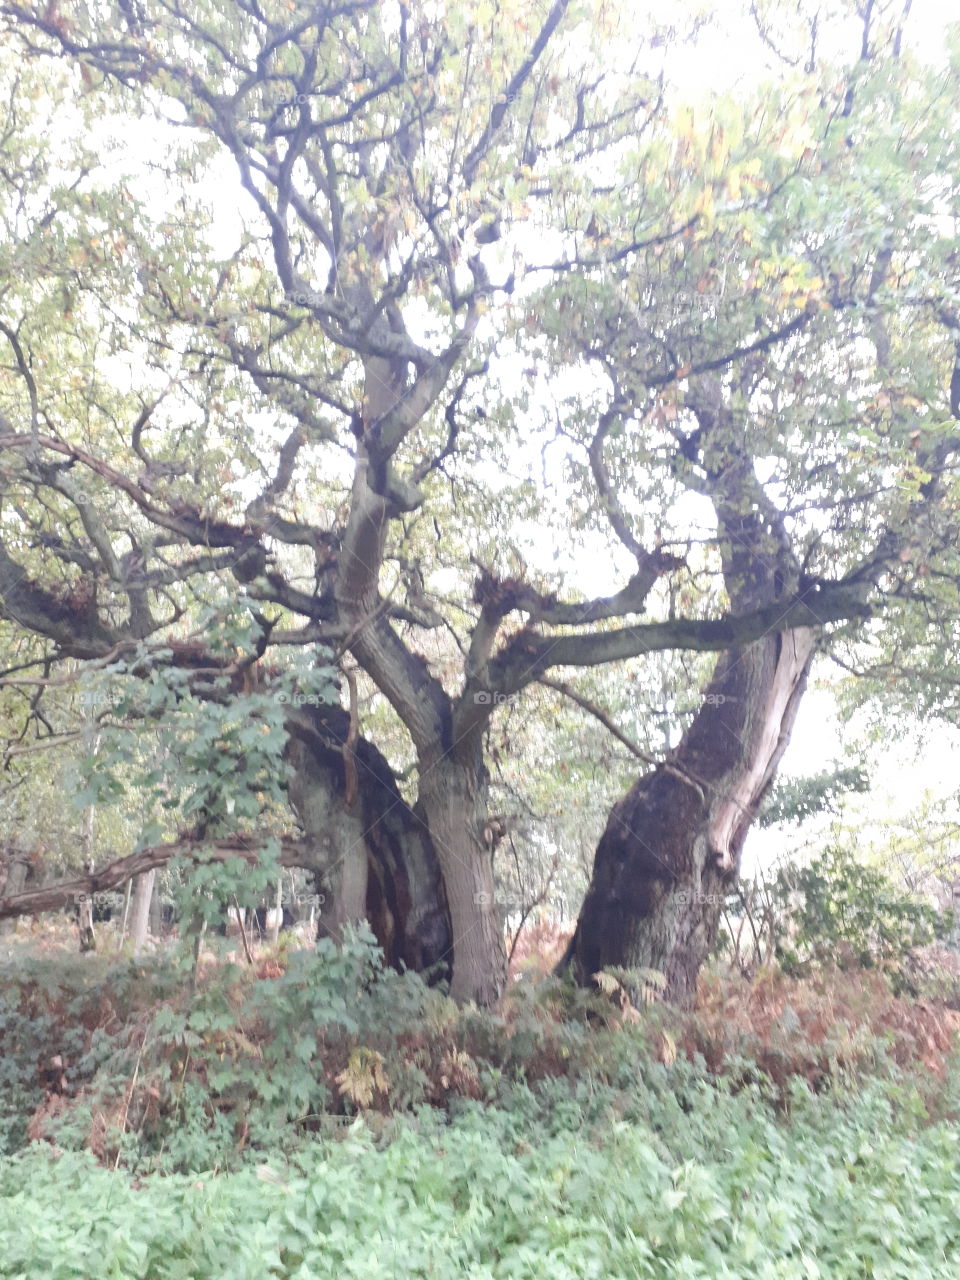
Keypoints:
(245, 1060)
(54, 1014)
(835, 910)
(253, 1061)
(835, 1027)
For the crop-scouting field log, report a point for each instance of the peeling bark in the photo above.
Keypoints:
(672, 846)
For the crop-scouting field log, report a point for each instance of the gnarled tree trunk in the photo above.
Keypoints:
(405, 902)
(671, 849)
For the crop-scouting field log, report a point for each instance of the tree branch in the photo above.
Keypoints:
(529, 655)
(510, 93)
(54, 896)
(599, 714)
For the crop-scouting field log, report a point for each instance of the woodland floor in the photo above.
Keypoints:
(314, 1116)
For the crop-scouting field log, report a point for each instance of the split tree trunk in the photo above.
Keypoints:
(405, 902)
(427, 868)
(671, 849)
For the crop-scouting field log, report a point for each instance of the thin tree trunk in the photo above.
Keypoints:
(241, 920)
(273, 928)
(125, 918)
(88, 937)
(155, 922)
(140, 916)
(15, 880)
(197, 950)
(671, 849)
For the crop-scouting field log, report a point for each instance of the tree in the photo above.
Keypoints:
(469, 237)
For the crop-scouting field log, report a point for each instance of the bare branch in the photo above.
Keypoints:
(598, 714)
(293, 853)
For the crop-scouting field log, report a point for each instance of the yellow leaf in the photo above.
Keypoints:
(686, 126)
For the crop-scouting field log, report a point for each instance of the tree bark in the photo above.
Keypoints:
(453, 795)
(85, 929)
(140, 916)
(405, 901)
(14, 870)
(672, 846)
(155, 917)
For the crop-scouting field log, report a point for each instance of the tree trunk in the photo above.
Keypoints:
(429, 868)
(155, 916)
(276, 916)
(85, 929)
(452, 863)
(140, 916)
(405, 903)
(453, 798)
(671, 849)
(14, 872)
(125, 917)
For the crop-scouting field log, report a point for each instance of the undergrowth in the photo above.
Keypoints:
(319, 1115)
(846, 1190)
(135, 1064)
